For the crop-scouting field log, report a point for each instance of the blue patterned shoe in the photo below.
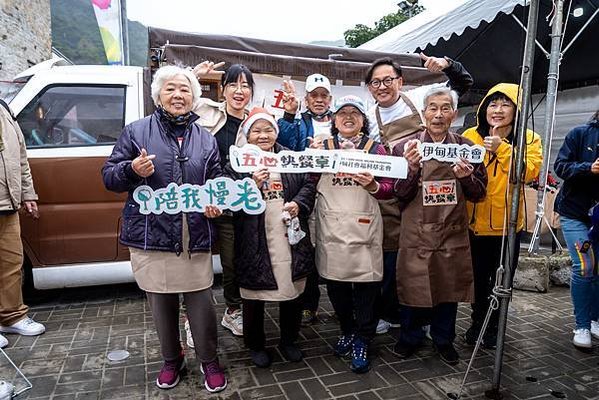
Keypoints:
(344, 345)
(359, 357)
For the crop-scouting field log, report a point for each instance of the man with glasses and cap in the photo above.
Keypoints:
(392, 118)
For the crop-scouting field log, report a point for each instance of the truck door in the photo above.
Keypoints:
(70, 129)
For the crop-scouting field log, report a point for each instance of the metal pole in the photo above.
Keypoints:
(552, 81)
(124, 32)
(515, 185)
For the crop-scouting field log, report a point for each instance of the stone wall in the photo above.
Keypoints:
(25, 37)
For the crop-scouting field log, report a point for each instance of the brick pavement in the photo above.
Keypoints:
(69, 361)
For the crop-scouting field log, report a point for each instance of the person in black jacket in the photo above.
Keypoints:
(578, 165)
(171, 253)
(268, 267)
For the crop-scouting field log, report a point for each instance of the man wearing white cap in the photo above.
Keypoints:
(315, 122)
(296, 134)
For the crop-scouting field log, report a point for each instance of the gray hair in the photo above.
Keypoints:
(442, 91)
(168, 72)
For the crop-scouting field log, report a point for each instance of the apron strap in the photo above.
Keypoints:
(368, 145)
(409, 103)
(329, 144)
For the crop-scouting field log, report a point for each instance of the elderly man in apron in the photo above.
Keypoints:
(393, 118)
(434, 269)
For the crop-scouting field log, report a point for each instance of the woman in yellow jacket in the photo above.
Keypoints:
(495, 131)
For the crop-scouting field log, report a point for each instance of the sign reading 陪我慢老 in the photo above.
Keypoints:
(225, 193)
(250, 158)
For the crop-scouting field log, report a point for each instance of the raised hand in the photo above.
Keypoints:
(434, 64)
(290, 102)
(492, 142)
(143, 165)
(208, 70)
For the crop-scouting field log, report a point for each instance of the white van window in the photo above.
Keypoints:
(74, 116)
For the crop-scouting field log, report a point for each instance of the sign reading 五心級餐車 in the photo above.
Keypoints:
(451, 152)
(250, 158)
(222, 192)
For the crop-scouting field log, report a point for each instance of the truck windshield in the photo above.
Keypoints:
(9, 89)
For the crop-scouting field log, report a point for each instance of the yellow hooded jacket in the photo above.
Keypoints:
(487, 217)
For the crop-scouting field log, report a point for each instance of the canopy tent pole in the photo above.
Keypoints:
(515, 187)
(552, 82)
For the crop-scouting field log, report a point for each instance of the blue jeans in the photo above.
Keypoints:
(584, 285)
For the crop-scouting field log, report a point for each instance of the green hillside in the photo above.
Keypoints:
(75, 33)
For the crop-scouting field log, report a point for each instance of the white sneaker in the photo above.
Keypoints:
(25, 327)
(427, 332)
(582, 338)
(3, 342)
(188, 336)
(595, 329)
(382, 327)
(233, 322)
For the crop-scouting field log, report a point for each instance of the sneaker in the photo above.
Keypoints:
(260, 358)
(394, 324)
(291, 352)
(490, 341)
(344, 345)
(448, 354)
(170, 374)
(25, 327)
(427, 332)
(471, 336)
(359, 357)
(309, 317)
(233, 321)
(3, 342)
(595, 329)
(189, 337)
(582, 338)
(404, 350)
(382, 327)
(214, 376)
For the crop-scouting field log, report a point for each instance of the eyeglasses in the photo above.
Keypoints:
(376, 83)
(244, 87)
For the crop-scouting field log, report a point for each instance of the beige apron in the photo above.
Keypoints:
(349, 231)
(392, 133)
(279, 249)
(165, 272)
(435, 265)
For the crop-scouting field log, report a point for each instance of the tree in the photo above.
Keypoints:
(360, 34)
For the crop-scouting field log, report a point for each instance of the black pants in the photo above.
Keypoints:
(311, 296)
(441, 318)
(387, 304)
(486, 255)
(354, 304)
(290, 317)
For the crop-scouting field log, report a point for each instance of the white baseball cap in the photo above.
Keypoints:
(315, 81)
